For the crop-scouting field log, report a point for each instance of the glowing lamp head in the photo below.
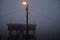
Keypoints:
(24, 3)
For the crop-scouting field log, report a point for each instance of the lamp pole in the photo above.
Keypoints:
(27, 21)
(25, 3)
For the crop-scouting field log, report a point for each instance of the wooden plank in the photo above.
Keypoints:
(21, 26)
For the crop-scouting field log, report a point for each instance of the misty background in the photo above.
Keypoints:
(44, 13)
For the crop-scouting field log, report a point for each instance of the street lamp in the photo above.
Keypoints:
(25, 3)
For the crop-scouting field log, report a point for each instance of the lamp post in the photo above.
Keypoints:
(25, 3)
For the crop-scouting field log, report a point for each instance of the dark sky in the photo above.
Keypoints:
(44, 13)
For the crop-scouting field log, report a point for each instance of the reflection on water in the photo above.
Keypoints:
(18, 37)
(38, 37)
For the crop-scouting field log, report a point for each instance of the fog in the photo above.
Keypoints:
(44, 13)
